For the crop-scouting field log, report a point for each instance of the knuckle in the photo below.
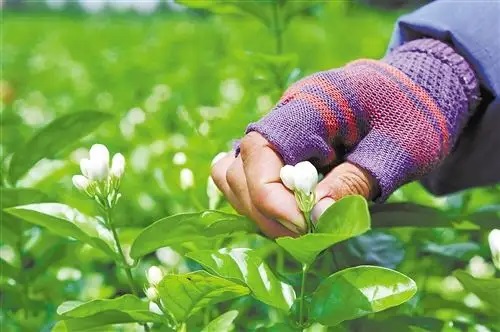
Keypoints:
(249, 142)
(261, 198)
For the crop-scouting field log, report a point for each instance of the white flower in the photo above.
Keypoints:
(302, 177)
(287, 175)
(479, 268)
(68, 273)
(154, 275)
(80, 182)
(151, 293)
(306, 177)
(494, 241)
(99, 153)
(187, 178)
(213, 193)
(154, 308)
(179, 158)
(117, 165)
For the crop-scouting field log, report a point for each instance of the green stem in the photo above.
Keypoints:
(182, 327)
(128, 270)
(305, 268)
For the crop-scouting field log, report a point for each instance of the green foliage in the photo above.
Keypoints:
(247, 267)
(222, 323)
(487, 290)
(346, 218)
(184, 295)
(63, 220)
(190, 227)
(51, 139)
(359, 291)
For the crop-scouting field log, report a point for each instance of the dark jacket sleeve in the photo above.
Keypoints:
(473, 29)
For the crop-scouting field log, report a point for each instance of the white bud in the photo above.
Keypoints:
(117, 165)
(213, 193)
(95, 170)
(479, 268)
(154, 275)
(287, 175)
(179, 158)
(154, 308)
(494, 241)
(306, 177)
(151, 293)
(187, 178)
(80, 182)
(99, 152)
(218, 157)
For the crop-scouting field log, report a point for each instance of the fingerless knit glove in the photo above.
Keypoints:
(397, 118)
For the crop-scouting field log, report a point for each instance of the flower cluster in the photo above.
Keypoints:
(98, 180)
(494, 241)
(302, 180)
(154, 276)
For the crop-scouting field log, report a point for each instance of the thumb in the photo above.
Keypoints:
(345, 179)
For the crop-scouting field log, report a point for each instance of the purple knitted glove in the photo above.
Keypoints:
(397, 118)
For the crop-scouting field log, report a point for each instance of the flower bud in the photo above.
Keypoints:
(94, 170)
(494, 241)
(187, 178)
(99, 153)
(117, 165)
(287, 175)
(80, 182)
(154, 308)
(306, 177)
(151, 293)
(154, 275)
(179, 158)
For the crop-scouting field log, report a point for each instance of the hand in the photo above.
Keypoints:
(252, 185)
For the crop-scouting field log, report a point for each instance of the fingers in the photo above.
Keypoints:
(270, 197)
(218, 173)
(229, 176)
(345, 179)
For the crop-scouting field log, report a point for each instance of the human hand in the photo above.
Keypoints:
(251, 183)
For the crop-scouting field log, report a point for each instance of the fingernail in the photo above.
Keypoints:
(298, 227)
(320, 207)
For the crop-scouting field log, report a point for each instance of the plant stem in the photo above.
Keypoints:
(128, 270)
(182, 327)
(305, 268)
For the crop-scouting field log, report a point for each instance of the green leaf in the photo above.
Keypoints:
(188, 227)
(76, 309)
(54, 137)
(80, 316)
(359, 291)
(223, 323)
(488, 290)
(243, 265)
(11, 228)
(347, 218)
(62, 220)
(104, 318)
(185, 294)
(461, 251)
